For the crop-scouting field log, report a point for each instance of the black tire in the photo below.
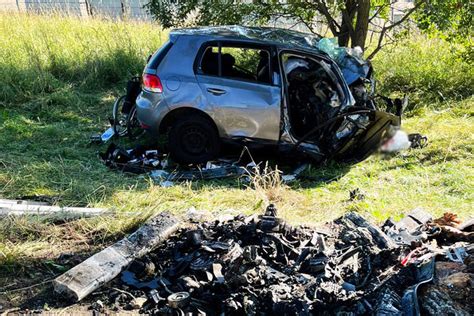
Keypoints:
(120, 119)
(193, 139)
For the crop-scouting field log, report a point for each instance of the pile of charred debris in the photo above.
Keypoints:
(260, 265)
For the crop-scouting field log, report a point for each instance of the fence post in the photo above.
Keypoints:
(125, 9)
(83, 8)
(21, 5)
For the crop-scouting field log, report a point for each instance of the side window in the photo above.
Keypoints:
(241, 63)
(210, 61)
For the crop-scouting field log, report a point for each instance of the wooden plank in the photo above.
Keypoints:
(102, 267)
(39, 209)
(14, 202)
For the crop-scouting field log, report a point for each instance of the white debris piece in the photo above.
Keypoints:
(19, 207)
(166, 184)
(210, 165)
(196, 215)
(397, 143)
(159, 175)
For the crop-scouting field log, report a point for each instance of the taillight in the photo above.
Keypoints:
(152, 83)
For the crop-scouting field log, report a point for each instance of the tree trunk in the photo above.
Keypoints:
(347, 18)
(344, 36)
(362, 24)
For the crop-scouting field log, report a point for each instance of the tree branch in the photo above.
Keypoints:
(332, 23)
(379, 44)
(380, 8)
(406, 16)
(349, 18)
(310, 27)
(386, 28)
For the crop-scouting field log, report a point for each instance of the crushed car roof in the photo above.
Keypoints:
(267, 35)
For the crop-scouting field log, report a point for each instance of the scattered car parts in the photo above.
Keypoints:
(146, 159)
(124, 115)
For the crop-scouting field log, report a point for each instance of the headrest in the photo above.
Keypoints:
(228, 61)
(210, 62)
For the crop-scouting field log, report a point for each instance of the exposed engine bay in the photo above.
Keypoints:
(327, 121)
(313, 96)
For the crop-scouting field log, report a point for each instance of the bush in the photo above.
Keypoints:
(427, 69)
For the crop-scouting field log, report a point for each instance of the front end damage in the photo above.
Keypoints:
(351, 120)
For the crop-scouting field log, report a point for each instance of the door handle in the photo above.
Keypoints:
(215, 91)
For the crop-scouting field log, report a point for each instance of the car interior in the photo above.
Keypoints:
(313, 96)
(239, 63)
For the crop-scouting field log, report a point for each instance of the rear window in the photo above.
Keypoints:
(158, 56)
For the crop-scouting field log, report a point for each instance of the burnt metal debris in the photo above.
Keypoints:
(148, 159)
(260, 265)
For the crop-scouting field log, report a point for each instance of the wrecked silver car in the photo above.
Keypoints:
(262, 86)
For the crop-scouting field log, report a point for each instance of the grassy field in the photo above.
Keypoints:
(59, 78)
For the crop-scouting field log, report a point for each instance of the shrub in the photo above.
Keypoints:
(428, 69)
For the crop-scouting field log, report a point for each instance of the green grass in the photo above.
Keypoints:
(58, 79)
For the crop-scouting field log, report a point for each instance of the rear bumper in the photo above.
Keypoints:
(151, 109)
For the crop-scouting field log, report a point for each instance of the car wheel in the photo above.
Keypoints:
(193, 140)
(120, 119)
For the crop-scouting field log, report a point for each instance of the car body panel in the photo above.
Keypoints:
(243, 109)
(247, 110)
(369, 139)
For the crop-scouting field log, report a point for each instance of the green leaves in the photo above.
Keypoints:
(349, 20)
(192, 12)
(451, 20)
(453, 17)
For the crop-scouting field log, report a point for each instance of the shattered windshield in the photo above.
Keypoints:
(350, 60)
(290, 37)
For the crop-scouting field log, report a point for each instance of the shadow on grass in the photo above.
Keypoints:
(27, 283)
(312, 177)
(46, 149)
(425, 157)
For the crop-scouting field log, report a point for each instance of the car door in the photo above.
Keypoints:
(243, 102)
